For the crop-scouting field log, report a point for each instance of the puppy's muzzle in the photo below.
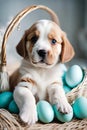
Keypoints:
(42, 53)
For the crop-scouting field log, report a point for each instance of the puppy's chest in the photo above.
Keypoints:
(43, 78)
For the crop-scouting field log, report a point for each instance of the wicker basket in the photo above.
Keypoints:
(12, 122)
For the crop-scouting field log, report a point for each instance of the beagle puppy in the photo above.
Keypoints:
(44, 48)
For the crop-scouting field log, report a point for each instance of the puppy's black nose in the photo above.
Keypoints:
(42, 53)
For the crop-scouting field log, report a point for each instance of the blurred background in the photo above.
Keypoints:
(72, 16)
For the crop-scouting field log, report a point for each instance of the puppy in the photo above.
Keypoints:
(44, 48)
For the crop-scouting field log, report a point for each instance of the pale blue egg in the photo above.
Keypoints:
(74, 76)
(45, 112)
(5, 99)
(80, 107)
(62, 117)
(66, 89)
(13, 108)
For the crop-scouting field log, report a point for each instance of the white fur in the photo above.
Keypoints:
(47, 79)
(43, 43)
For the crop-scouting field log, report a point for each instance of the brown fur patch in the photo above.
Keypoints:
(28, 80)
(55, 33)
(14, 79)
(67, 49)
(31, 47)
(31, 33)
(35, 32)
(61, 38)
(50, 58)
(21, 47)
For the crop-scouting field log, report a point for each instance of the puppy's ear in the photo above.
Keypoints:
(67, 49)
(21, 47)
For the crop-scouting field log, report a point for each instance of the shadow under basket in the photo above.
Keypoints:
(10, 121)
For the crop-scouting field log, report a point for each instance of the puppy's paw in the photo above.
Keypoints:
(64, 107)
(29, 115)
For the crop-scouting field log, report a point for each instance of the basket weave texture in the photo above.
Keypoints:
(12, 122)
(9, 121)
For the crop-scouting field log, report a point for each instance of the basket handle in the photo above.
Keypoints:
(16, 21)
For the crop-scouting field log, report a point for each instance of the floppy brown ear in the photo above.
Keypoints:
(67, 50)
(21, 47)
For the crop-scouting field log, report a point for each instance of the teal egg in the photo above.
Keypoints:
(80, 107)
(13, 108)
(66, 89)
(45, 111)
(62, 117)
(74, 76)
(5, 99)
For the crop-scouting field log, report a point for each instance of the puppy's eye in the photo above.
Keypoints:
(53, 41)
(34, 39)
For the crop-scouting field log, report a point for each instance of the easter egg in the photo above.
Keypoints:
(13, 108)
(45, 111)
(66, 89)
(62, 117)
(5, 99)
(74, 76)
(80, 107)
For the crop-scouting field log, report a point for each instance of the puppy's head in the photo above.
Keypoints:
(45, 44)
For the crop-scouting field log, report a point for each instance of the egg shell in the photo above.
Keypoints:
(80, 107)
(13, 108)
(5, 99)
(74, 76)
(66, 89)
(45, 112)
(62, 117)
